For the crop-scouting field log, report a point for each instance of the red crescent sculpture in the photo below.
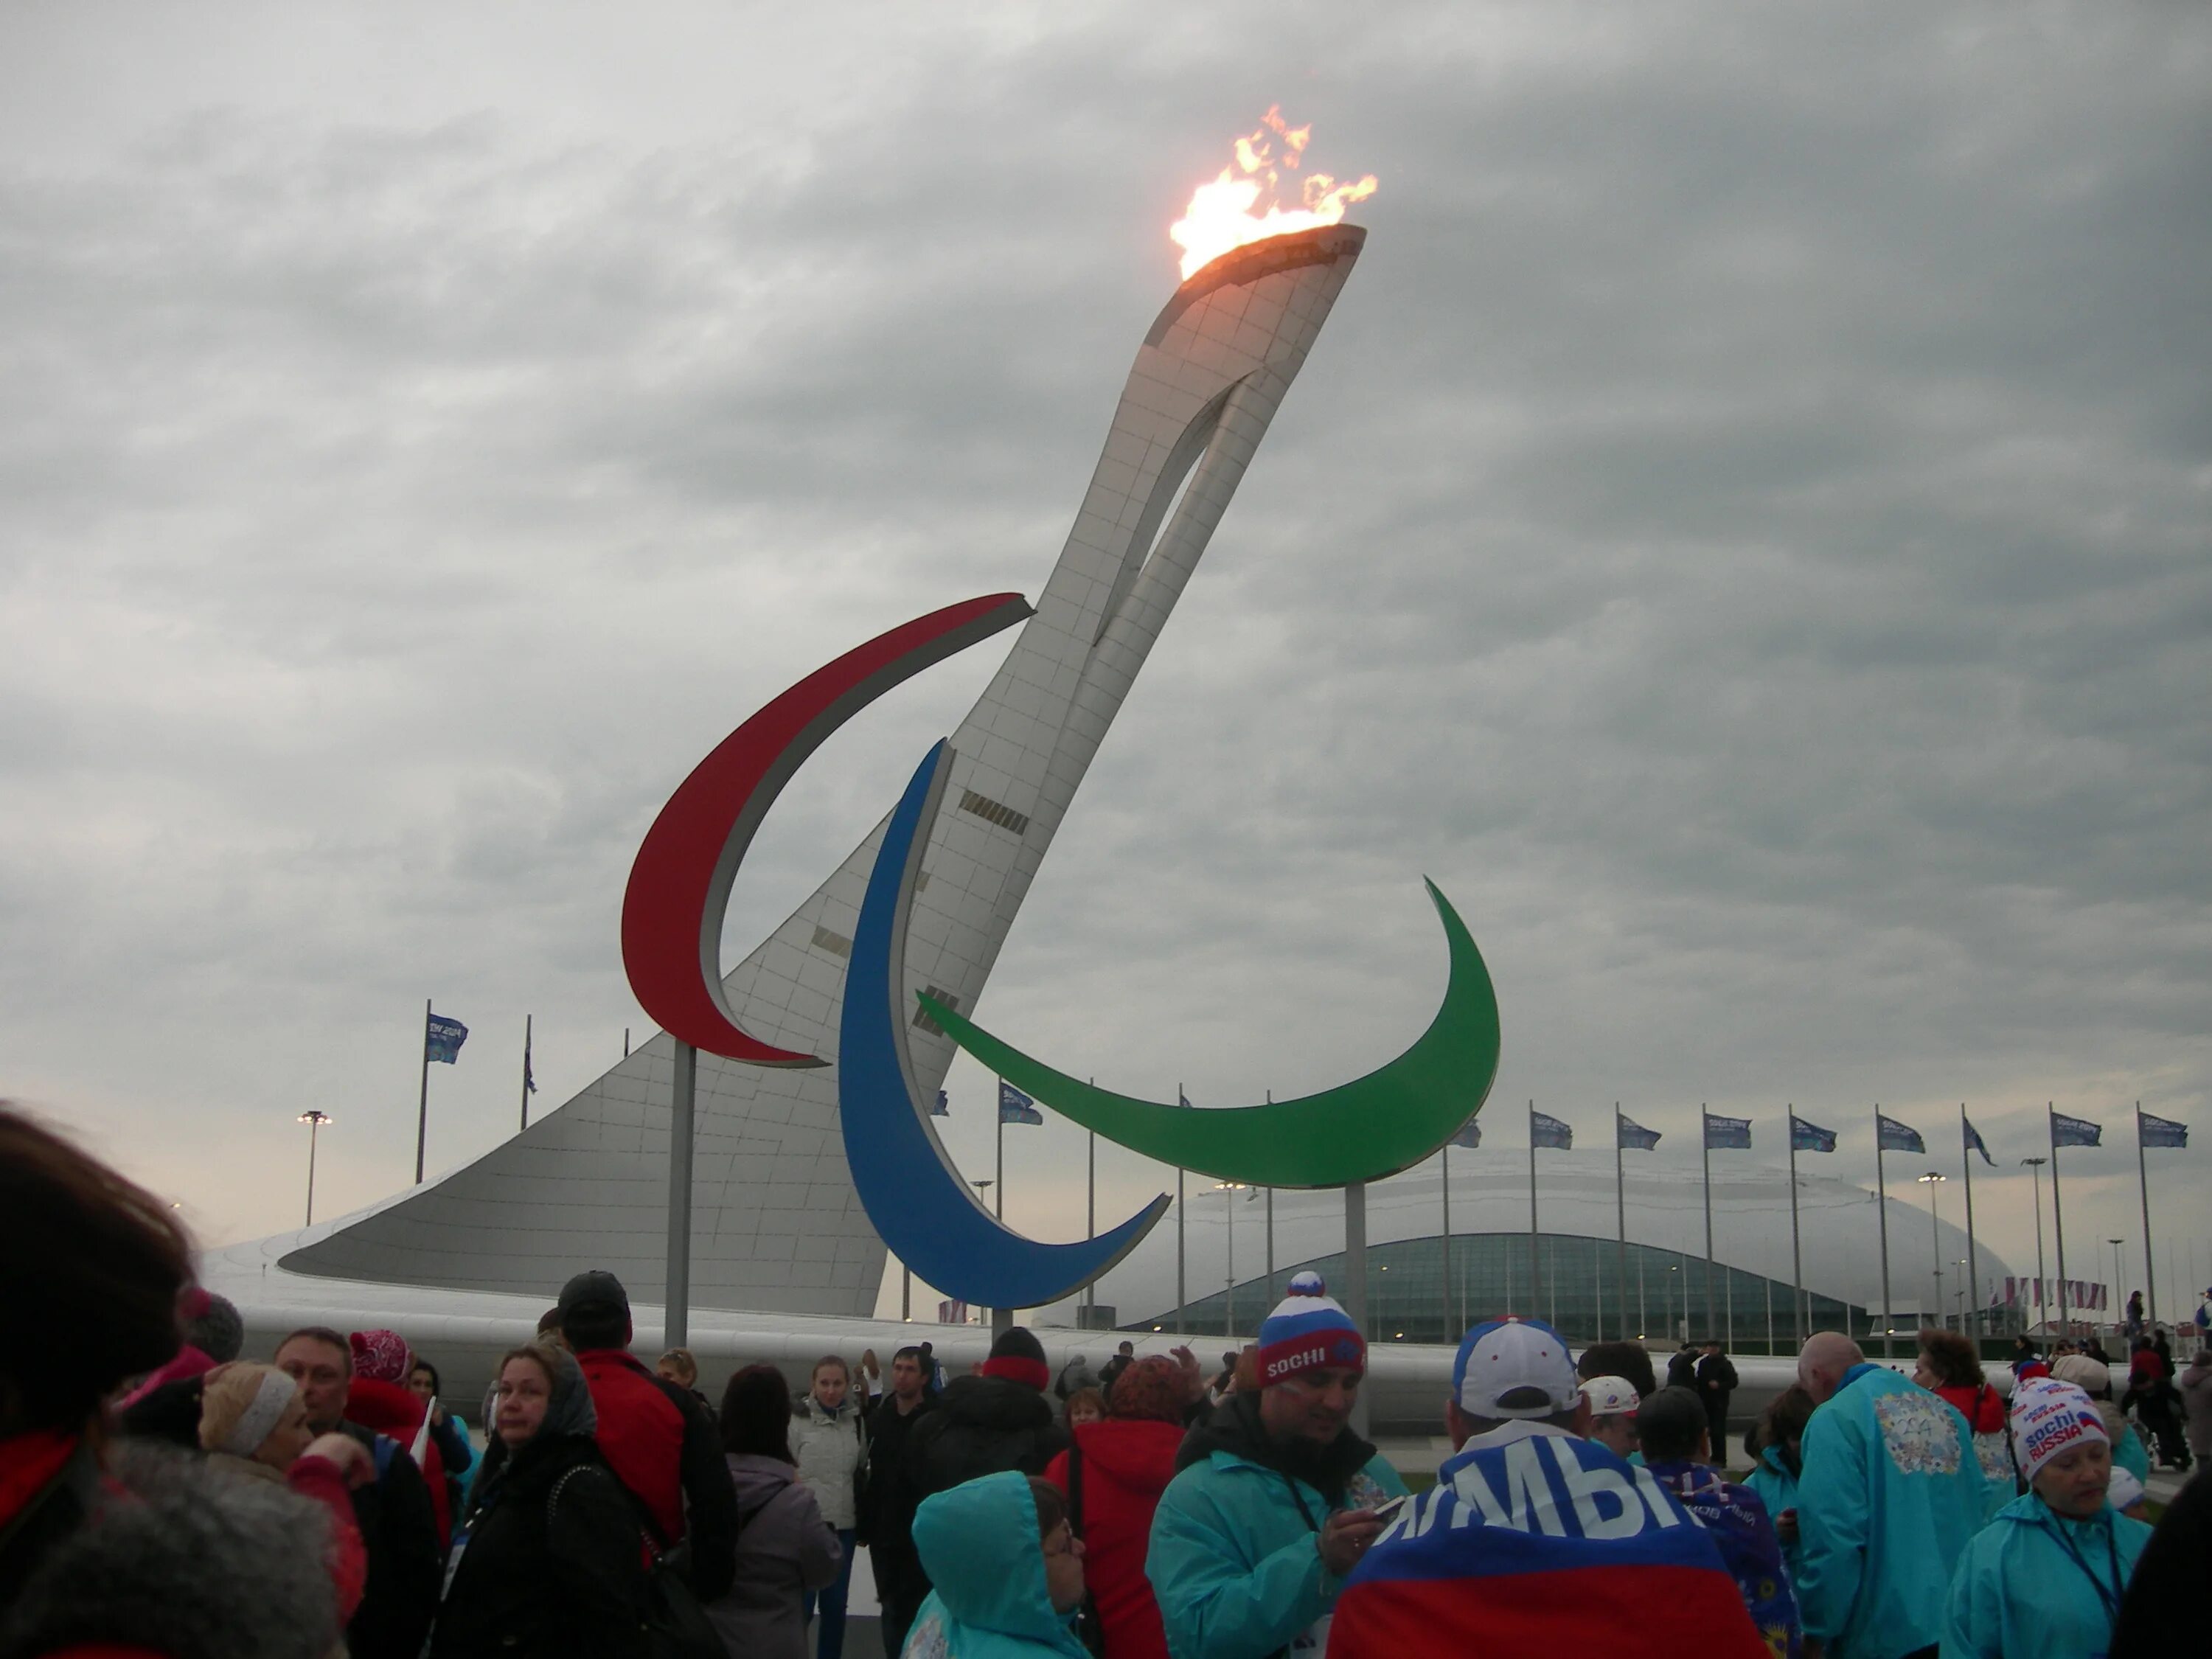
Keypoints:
(679, 886)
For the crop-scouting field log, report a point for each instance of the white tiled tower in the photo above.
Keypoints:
(776, 1224)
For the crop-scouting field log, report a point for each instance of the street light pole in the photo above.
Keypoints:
(315, 1120)
(2035, 1174)
(1931, 1180)
(2114, 1308)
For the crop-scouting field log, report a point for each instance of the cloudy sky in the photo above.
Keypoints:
(1744, 533)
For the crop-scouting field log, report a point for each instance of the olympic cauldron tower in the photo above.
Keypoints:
(776, 1225)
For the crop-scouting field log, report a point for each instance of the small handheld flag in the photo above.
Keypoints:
(1809, 1136)
(1729, 1135)
(1895, 1137)
(443, 1038)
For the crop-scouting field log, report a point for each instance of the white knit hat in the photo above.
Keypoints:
(2049, 1416)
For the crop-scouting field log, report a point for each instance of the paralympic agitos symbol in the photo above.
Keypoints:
(672, 913)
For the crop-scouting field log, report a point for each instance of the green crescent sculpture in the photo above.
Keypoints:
(1363, 1130)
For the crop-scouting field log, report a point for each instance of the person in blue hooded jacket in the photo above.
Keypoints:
(2046, 1579)
(1891, 1493)
(1006, 1570)
(1273, 1504)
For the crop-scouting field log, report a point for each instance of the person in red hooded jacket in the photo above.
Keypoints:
(1114, 1475)
(1950, 1369)
(380, 1400)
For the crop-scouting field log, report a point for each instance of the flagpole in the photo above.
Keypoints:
(525, 1071)
(1090, 1209)
(1797, 1310)
(2150, 1269)
(2057, 1215)
(1706, 1150)
(1882, 1211)
(1531, 1215)
(1621, 1221)
(999, 1183)
(1181, 1298)
(423, 1107)
(1228, 1300)
(1973, 1261)
(2035, 1174)
(1270, 1302)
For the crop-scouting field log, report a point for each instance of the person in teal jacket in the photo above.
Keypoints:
(1776, 1444)
(1007, 1571)
(2044, 1580)
(1273, 1504)
(1890, 1494)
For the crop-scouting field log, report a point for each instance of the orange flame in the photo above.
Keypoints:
(1244, 203)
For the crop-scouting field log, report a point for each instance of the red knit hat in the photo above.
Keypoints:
(382, 1355)
(1153, 1388)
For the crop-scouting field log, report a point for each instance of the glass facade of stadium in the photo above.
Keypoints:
(1580, 1288)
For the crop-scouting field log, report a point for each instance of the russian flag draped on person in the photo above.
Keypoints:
(1534, 1539)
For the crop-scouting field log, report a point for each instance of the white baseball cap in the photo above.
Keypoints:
(1610, 1397)
(1514, 1367)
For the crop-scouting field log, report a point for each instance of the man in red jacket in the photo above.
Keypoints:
(656, 1435)
(1114, 1476)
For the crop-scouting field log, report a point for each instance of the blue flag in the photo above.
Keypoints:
(1182, 1099)
(1809, 1136)
(1015, 1107)
(2161, 1130)
(1468, 1134)
(442, 1039)
(1974, 1142)
(1638, 1139)
(2075, 1131)
(1545, 1130)
(944, 1106)
(1897, 1137)
(1727, 1134)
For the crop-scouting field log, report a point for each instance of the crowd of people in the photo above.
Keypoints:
(164, 1496)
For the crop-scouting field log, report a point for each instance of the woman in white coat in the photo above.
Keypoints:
(831, 1449)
